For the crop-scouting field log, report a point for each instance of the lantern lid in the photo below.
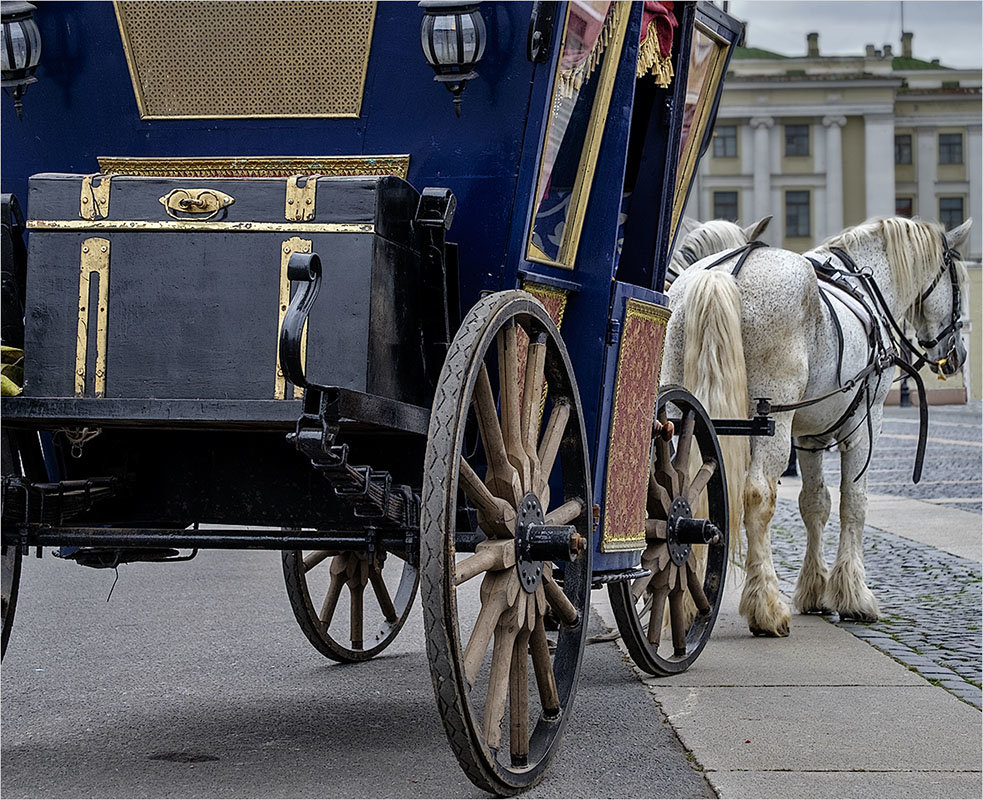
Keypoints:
(13, 10)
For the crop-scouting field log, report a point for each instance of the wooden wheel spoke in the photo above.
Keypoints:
(502, 478)
(685, 441)
(311, 560)
(545, 679)
(677, 622)
(508, 375)
(700, 481)
(655, 529)
(639, 585)
(695, 586)
(488, 618)
(532, 396)
(498, 683)
(356, 615)
(519, 699)
(559, 602)
(550, 446)
(334, 592)
(382, 595)
(660, 590)
(489, 555)
(497, 514)
(659, 499)
(565, 514)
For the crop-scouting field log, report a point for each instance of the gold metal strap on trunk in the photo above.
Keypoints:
(94, 259)
(301, 200)
(94, 198)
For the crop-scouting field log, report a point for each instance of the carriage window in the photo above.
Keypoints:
(708, 55)
(593, 36)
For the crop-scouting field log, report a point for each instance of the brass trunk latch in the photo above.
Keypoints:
(94, 199)
(192, 203)
(301, 200)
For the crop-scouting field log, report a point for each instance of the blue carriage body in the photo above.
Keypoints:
(84, 107)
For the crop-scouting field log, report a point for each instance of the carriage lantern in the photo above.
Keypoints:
(21, 50)
(453, 38)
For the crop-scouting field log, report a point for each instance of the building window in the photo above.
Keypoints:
(951, 212)
(796, 140)
(902, 148)
(797, 214)
(725, 205)
(950, 148)
(904, 206)
(725, 141)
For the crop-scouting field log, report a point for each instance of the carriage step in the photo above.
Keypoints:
(52, 503)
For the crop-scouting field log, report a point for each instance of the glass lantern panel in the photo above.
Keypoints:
(445, 39)
(592, 41)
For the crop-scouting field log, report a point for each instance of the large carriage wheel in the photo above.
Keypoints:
(484, 613)
(343, 626)
(686, 478)
(10, 560)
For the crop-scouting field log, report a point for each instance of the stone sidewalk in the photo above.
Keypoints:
(823, 713)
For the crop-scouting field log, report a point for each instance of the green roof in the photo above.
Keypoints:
(900, 62)
(756, 52)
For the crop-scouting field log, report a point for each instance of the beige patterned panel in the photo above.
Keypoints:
(204, 59)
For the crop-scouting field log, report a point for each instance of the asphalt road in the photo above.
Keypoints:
(194, 680)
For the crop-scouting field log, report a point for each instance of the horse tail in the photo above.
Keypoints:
(714, 370)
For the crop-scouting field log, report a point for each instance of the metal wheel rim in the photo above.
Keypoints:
(632, 614)
(310, 617)
(489, 766)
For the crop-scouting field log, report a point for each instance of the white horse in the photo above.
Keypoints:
(697, 240)
(768, 333)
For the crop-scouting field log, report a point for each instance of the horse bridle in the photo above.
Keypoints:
(949, 258)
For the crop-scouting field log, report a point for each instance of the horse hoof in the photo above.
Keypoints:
(857, 616)
(777, 633)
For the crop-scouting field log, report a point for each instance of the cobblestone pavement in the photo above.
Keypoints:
(930, 600)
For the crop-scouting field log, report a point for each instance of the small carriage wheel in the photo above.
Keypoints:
(686, 488)
(484, 614)
(344, 578)
(10, 560)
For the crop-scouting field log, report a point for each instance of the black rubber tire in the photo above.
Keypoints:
(445, 640)
(624, 605)
(319, 635)
(10, 562)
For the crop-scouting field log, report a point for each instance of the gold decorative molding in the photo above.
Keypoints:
(145, 226)
(292, 245)
(93, 259)
(258, 166)
(258, 59)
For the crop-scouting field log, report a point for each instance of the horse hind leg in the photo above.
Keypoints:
(761, 605)
(846, 590)
(814, 506)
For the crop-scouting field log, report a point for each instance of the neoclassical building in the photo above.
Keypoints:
(824, 142)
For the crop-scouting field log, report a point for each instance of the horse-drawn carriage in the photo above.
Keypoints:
(229, 347)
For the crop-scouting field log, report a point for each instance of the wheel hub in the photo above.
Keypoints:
(678, 550)
(530, 513)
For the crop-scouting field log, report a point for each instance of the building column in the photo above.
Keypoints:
(974, 137)
(879, 157)
(834, 174)
(925, 166)
(762, 165)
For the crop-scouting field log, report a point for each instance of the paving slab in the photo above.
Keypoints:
(827, 784)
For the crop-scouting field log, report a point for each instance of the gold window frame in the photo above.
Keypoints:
(579, 195)
(142, 106)
(704, 104)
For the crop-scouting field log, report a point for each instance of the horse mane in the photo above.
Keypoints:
(716, 236)
(914, 249)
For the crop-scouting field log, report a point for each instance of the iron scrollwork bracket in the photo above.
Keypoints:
(304, 268)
